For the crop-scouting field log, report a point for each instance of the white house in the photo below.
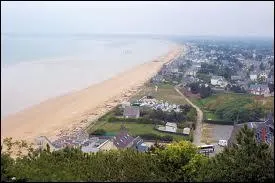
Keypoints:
(218, 80)
(171, 127)
(191, 73)
(174, 70)
(253, 77)
(186, 131)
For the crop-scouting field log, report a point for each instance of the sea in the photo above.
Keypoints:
(35, 68)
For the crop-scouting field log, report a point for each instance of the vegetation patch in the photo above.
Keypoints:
(232, 107)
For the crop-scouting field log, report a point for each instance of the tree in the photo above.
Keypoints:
(194, 87)
(261, 79)
(262, 67)
(99, 132)
(6, 164)
(251, 68)
(205, 91)
(179, 161)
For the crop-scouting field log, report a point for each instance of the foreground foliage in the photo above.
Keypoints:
(247, 161)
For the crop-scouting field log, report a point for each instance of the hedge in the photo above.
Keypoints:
(219, 122)
(150, 136)
(138, 120)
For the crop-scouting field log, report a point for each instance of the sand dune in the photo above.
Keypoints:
(66, 112)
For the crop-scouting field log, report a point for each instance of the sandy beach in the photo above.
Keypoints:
(63, 114)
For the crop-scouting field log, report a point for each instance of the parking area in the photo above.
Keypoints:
(212, 133)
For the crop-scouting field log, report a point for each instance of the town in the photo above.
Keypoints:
(203, 70)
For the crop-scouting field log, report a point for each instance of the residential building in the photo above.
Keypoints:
(259, 89)
(123, 140)
(186, 131)
(264, 131)
(43, 141)
(171, 127)
(131, 112)
(93, 145)
(218, 81)
(253, 77)
(191, 73)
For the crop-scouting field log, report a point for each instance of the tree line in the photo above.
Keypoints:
(180, 161)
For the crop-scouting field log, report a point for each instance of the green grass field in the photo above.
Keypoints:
(208, 104)
(210, 116)
(134, 129)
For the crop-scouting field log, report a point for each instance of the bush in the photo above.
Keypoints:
(151, 136)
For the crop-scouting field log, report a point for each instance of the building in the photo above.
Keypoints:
(131, 112)
(264, 131)
(259, 89)
(43, 141)
(218, 81)
(253, 77)
(123, 140)
(171, 127)
(93, 145)
(186, 131)
(191, 73)
(88, 145)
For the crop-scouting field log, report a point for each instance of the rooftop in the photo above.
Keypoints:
(171, 124)
(131, 111)
(123, 139)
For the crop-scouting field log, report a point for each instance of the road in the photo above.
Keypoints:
(198, 131)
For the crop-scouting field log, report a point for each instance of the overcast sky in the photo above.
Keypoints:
(181, 18)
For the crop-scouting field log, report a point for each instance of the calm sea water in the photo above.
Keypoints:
(36, 68)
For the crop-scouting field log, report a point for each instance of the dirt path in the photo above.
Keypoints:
(198, 130)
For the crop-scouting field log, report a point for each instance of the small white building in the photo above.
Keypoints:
(175, 70)
(191, 73)
(171, 127)
(253, 77)
(218, 81)
(186, 131)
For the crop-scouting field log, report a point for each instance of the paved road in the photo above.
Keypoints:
(198, 130)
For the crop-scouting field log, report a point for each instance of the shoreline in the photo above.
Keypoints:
(61, 115)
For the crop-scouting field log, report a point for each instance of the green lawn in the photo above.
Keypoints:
(202, 102)
(165, 92)
(134, 129)
(210, 115)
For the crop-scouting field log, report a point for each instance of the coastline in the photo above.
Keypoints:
(64, 114)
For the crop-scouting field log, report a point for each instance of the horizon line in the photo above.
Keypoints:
(134, 34)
